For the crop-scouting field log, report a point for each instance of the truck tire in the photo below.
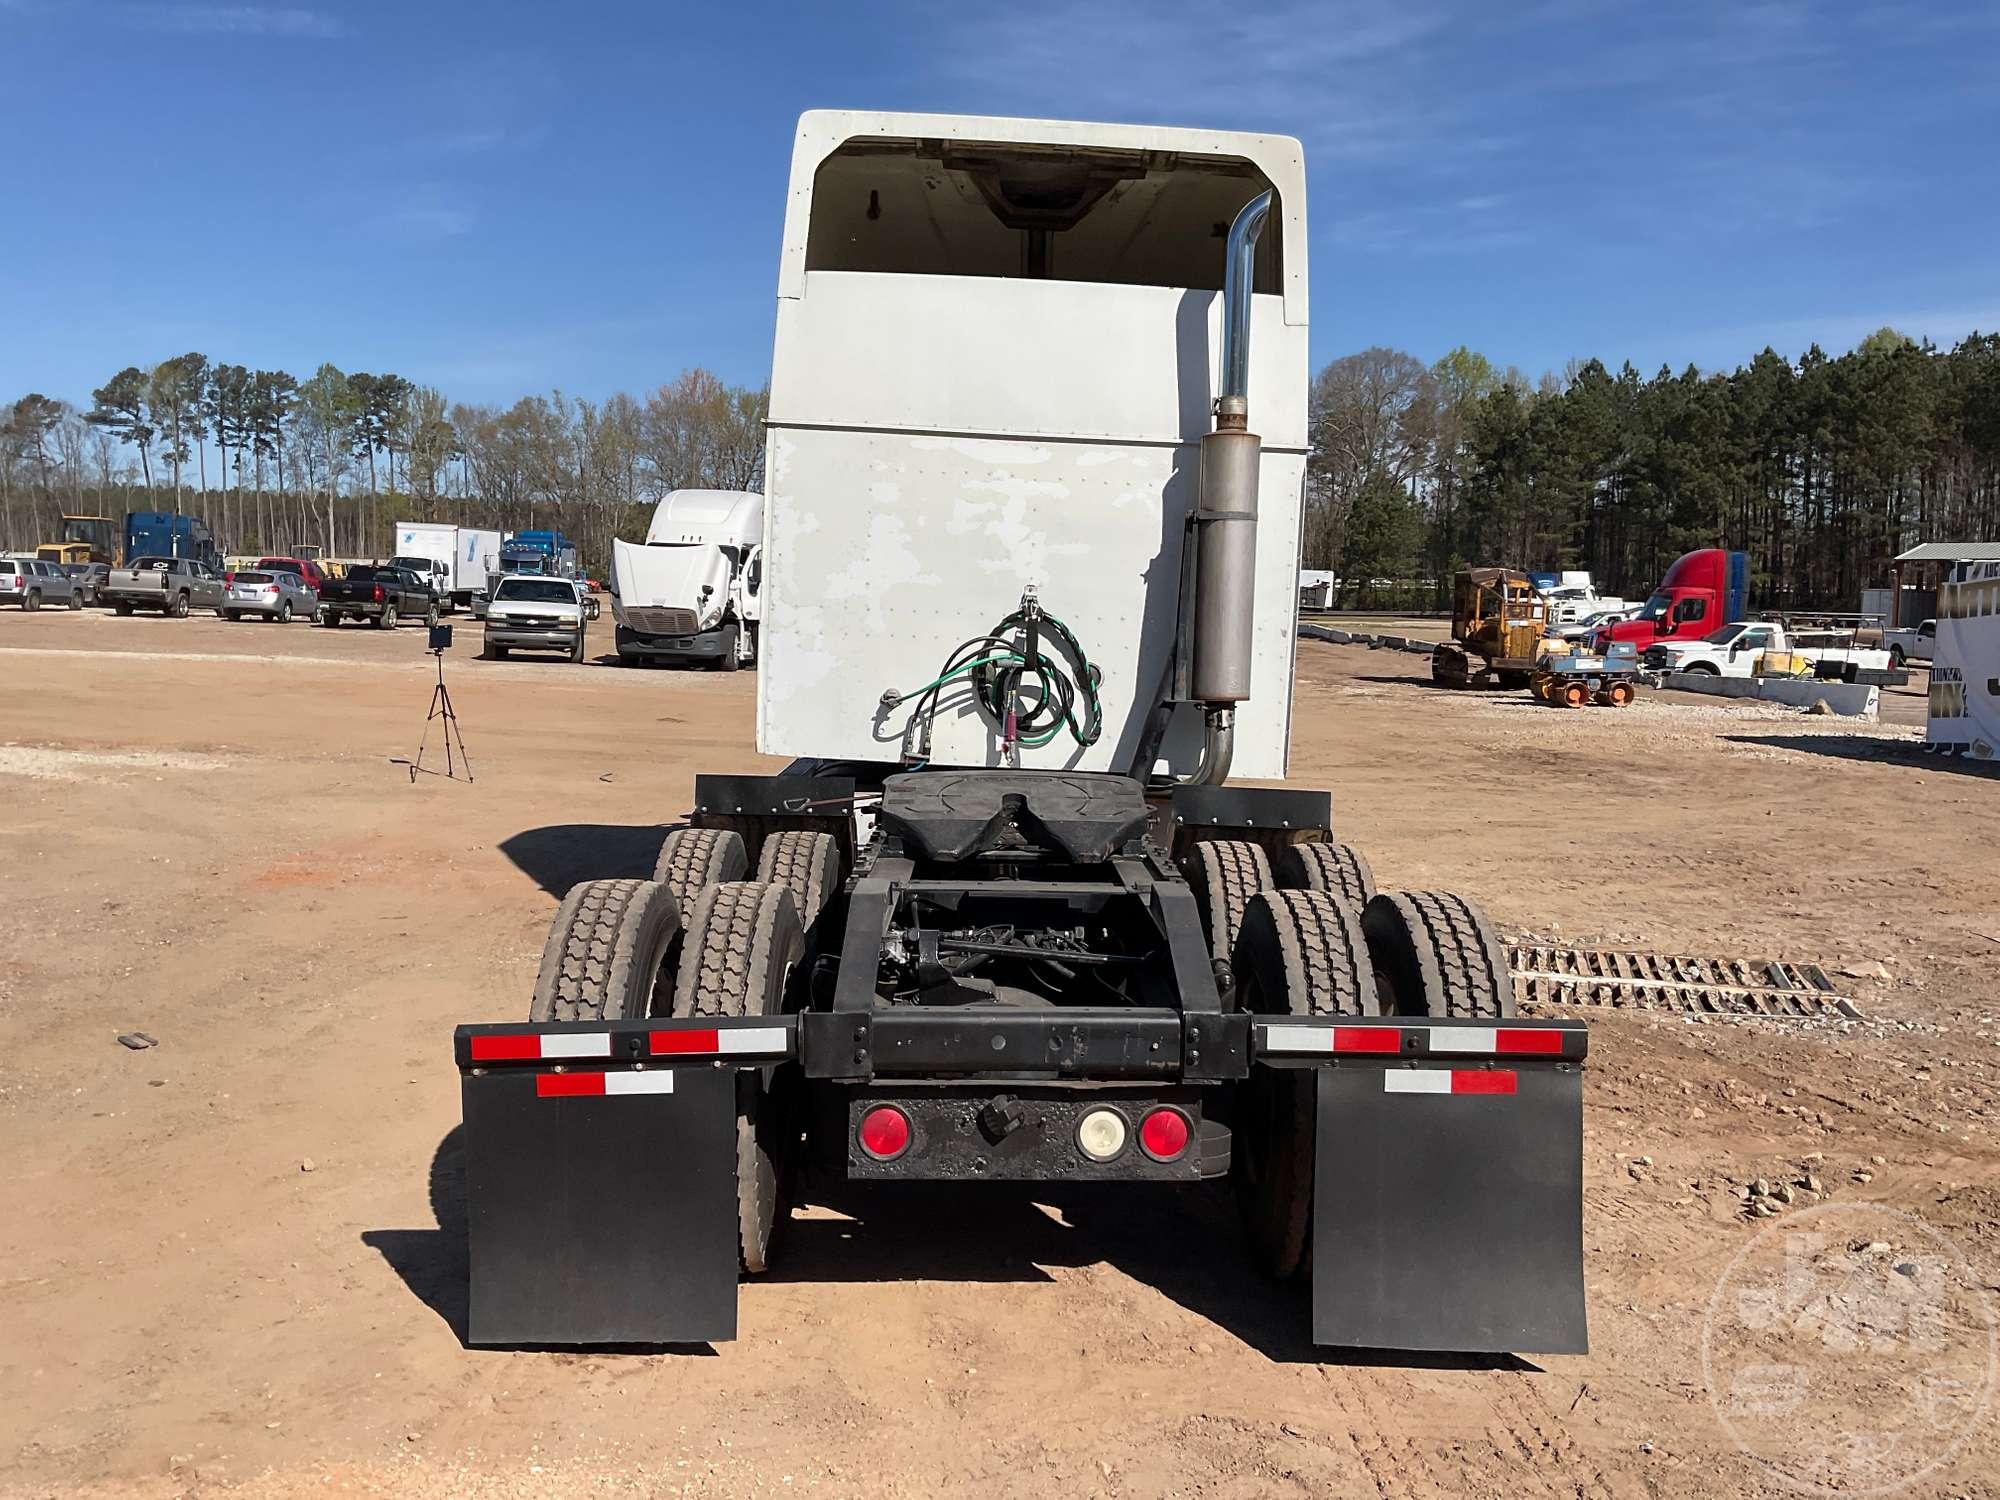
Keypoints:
(230, 614)
(743, 940)
(328, 619)
(1300, 953)
(32, 602)
(178, 607)
(1224, 874)
(1435, 954)
(576, 651)
(76, 598)
(807, 864)
(1339, 868)
(285, 612)
(606, 958)
(387, 619)
(727, 662)
(119, 606)
(693, 859)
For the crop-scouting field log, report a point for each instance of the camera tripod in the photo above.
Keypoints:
(441, 709)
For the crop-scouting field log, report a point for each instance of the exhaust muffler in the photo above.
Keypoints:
(1226, 516)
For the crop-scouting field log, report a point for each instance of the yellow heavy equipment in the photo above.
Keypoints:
(85, 539)
(1497, 620)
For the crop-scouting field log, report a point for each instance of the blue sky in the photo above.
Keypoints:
(507, 197)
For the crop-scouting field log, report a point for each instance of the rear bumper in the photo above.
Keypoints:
(347, 608)
(704, 645)
(258, 606)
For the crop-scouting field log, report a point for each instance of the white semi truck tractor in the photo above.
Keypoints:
(693, 593)
(1037, 443)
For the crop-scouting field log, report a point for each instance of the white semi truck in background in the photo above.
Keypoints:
(1035, 456)
(454, 559)
(692, 592)
(1573, 596)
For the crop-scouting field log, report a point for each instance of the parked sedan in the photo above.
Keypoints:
(88, 578)
(275, 595)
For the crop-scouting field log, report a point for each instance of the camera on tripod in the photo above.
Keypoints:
(441, 709)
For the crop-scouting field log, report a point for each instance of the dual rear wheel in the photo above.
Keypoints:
(701, 940)
(1313, 937)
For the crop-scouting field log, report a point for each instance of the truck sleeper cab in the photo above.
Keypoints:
(1036, 449)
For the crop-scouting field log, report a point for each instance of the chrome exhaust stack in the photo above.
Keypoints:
(1225, 594)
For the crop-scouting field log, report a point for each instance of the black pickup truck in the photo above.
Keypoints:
(379, 594)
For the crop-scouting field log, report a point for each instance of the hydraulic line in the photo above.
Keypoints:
(1028, 695)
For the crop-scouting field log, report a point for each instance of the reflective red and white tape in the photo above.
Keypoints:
(690, 1042)
(1448, 1081)
(1484, 1041)
(601, 1085)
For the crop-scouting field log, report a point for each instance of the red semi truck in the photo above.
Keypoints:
(1702, 592)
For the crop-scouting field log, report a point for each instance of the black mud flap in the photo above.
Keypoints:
(1447, 1207)
(600, 1179)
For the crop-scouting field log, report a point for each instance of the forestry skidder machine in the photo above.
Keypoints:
(1497, 621)
(1030, 590)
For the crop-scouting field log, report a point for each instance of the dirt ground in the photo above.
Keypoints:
(222, 1267)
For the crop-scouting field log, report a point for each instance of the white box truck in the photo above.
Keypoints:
(692, 593)
(454, 559)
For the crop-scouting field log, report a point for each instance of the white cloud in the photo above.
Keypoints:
(420, 220)
(235, 20)
(1838, 332)
(1328, 71)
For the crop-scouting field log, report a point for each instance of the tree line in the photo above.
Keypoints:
(1821, 470)
(338, 459)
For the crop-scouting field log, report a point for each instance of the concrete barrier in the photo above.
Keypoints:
(1854, 700)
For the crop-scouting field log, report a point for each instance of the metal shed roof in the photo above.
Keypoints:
(1952, 552)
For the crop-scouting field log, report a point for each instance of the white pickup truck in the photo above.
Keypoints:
(1911, 645)
(528, 613)
(1734, 650)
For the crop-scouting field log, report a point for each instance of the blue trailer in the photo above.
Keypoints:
(165, 533)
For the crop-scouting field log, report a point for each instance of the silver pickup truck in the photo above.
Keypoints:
(172, 585)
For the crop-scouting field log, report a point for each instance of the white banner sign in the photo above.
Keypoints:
(1965, 669)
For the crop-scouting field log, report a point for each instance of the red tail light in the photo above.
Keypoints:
(230, 576)
(885, 1132)
(1164, 1134)
(378, 593)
